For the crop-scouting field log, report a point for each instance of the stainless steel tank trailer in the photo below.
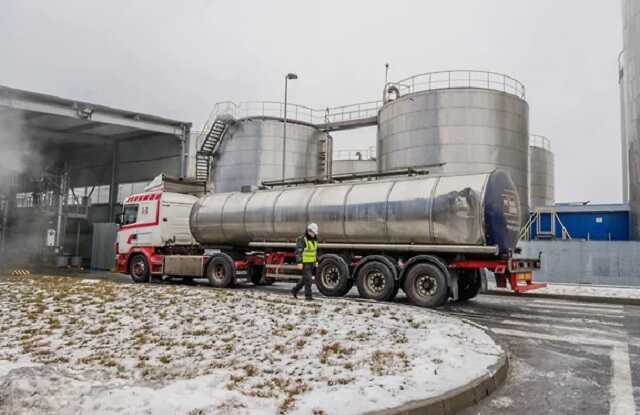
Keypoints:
(429, 235)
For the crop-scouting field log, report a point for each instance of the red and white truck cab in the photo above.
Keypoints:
(153, 225)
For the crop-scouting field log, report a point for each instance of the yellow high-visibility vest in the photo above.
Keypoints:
(310, 252)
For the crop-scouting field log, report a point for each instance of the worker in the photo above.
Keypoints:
(306, 257)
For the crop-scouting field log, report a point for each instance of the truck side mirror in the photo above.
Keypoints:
(118, 219)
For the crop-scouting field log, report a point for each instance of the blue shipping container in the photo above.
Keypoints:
(591, 222)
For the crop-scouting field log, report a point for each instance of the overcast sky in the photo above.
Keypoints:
(177, 58)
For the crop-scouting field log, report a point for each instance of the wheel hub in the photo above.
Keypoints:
(426, 285)
(138, 268)
(330, 277)
(375, 282)
(218, 272)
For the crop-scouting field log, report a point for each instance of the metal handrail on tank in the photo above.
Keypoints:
(356, 154)
(539, 141)
(296, 112)
(454, 79)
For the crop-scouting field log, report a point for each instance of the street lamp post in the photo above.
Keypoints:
(284, 127)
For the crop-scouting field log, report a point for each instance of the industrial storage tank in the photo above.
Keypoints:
(354, 161)
(472, 121)
(541, 173)
(479, 209)
(631, 110)
(252, 149)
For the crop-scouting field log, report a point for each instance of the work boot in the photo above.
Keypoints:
(294, 293)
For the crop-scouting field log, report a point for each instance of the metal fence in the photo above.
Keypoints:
(540, 141)
(296, 112)
(357, 154)
(457, 79)
(586, 262)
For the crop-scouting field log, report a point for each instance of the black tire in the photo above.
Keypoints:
(255, 273)
(221, 271)
(426, 285)
(469, 284)
(139, 269)
(332, 276)
(396, 289)
(375, 281)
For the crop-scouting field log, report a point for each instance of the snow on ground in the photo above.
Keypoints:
(69, 347)
(587, 290)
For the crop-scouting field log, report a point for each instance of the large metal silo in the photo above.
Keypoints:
(631, 108)
(251, 151)
(541, 173)
(472, 121)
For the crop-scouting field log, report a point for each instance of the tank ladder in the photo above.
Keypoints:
(209, 147)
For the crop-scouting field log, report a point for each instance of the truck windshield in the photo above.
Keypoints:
(130, 214)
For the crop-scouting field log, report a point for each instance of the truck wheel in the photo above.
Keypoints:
(426, 285)
(332, 276)
(375, 281)
(469, 283)
(396, 288)
(139, 269)
(256, 275)
(220, 271)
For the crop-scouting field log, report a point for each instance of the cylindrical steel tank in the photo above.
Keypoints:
(354, 161)
(480, 209)
(354, 166)
(631, 110)
(472, 121)
(541, 173)
(251, 152)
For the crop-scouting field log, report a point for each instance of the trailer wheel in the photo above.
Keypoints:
(332, 276)
(256, 275)
(426, 285)
(375, 281)
(469, 283)
(139, 269)
(220, 271)
(396, 289)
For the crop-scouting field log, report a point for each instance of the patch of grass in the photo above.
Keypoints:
(334, 349)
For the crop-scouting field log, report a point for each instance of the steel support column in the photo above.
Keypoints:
(113, 189)
(185, 151)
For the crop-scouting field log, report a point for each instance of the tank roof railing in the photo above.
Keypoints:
(297, 112)
(455, 79)
(540, 141)
(355, 154)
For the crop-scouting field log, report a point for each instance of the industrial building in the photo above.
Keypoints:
(67, 167)
(602, 222)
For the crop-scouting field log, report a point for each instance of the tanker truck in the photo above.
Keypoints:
(431, 236)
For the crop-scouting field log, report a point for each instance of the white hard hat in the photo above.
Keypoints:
(313, 228)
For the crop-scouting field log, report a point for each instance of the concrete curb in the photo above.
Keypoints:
(577, 298)
(457, 399)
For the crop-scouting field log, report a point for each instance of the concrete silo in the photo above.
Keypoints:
(541, 172)
(472, 121)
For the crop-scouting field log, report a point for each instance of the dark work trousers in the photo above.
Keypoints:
(308, 270)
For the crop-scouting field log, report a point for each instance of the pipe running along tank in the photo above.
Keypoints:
(477, 209)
